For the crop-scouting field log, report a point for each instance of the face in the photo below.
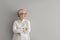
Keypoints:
(22, 14)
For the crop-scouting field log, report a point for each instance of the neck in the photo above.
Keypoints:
(21, 19)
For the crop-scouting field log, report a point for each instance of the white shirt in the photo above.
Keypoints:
(18, 25)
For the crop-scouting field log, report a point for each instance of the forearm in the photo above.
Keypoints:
(26, 30)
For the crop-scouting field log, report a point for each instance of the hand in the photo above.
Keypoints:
(24, 29)
(18, 33)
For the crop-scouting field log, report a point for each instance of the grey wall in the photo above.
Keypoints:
(44, 16)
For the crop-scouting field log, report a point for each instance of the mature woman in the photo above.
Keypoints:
(21, 26)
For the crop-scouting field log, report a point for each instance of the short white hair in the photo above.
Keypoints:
(20, 10)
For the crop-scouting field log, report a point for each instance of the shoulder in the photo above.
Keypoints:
(15, 21)
(26, 20)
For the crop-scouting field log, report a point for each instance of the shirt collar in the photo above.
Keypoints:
(20, 20)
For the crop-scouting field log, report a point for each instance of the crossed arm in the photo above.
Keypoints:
(24, 29)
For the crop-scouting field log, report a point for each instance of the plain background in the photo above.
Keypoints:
(43, 14)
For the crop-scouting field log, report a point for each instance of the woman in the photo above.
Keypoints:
(21, 27)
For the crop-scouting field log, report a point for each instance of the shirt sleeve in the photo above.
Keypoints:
(28, 27)
(15, 29)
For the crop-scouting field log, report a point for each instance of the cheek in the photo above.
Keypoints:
(23, 15)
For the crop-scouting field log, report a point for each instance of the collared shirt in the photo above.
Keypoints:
(18, 25)
(20, 20)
